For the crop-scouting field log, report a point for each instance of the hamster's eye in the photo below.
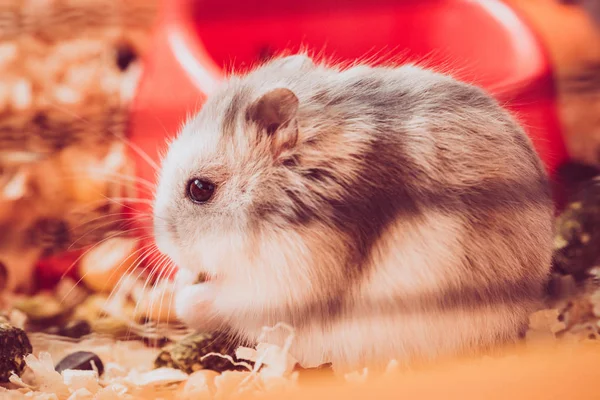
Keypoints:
(200, 191)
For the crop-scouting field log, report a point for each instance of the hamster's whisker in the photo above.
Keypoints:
(160, 270)
(162, 273)
(119, 203)
(76, 283)
(112, 177)
(131, 276)
(151, 273)
(145, 251)
(132, 200)
(134, 265)
(111, 221)
(96, 245)
(171, 269)
(140, 274)
(143, 155)
(154, 268)
(133, 179)
(89, 221)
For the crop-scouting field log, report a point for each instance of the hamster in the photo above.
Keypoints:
(384, 213)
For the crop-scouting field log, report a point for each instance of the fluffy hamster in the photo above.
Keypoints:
(384, 213)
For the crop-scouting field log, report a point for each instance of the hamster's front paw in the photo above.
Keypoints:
(194, 305)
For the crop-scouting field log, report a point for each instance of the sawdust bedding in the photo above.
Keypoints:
(131, 369)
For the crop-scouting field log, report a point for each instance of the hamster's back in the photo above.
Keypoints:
(449, 199)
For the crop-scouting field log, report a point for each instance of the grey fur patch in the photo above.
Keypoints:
(232, 112)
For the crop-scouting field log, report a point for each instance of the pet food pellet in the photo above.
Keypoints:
(15, 346)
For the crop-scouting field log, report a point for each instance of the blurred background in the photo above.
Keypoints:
(91, 89)
(69, 70)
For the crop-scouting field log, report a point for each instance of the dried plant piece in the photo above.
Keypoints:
(577, 311)
(584, 332)
(105, 315)
(272, 360)
(14, 345)
(577, 239)
(188, 354)
(102, 268)
(42, 309)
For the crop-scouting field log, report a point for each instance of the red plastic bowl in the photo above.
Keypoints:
(483, 42)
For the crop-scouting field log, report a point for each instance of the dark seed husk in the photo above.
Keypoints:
(187, 354)
(76, 329)
(81, 360)
(14, 346)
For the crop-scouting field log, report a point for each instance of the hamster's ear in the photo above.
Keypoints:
(275, 115)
